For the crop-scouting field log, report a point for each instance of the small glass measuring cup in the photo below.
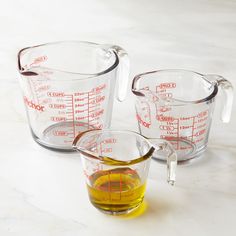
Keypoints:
(116, 165)
(69, 87)
(177, 105)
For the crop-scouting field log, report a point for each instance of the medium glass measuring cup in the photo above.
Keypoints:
(177, 105)
(68, 87)
(116, 165)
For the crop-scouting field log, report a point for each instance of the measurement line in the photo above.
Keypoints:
(178, 134)
(193, 127)
(88, 110)
(78, 95)
(73, 116)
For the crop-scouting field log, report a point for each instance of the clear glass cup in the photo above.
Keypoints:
(116, 165)
(177, 105)
(69, 87)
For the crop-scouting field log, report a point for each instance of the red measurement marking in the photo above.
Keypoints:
(55, 94)
(201, 126)
(166, 127)
(165, 95)
(110, 140)
(73, 114)
(201, 132)
(107, 150)
(202, 114)
(172, 133)
(142, 122)
(98, 89)
(193, 128)
(169, 85)
(58, 119)
(80, 105)
(178, 133)
(164, 109)
(97, 99)
(186, 118)
(57, 106)
(185, 127)
(97, 113)
(39, 60)
(94, 119)
(60, 133)
(79, 94)
(79, 99)
(202, 120)
(80, 111)
(31, 104)
(165, 118)
(81, 118)
(88, 108)
(43, 88)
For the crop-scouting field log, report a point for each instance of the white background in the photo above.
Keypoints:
(43, 193)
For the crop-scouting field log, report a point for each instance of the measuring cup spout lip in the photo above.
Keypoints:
(141, 92)
(30, 71)
(78, 146)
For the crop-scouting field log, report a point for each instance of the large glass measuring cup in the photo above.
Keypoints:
(68, 87)
(177, 105)
(116, 165)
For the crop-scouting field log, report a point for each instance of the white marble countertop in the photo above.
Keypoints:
(43, 192)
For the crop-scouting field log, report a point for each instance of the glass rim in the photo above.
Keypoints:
(115, 162)
(85, 75)
(138, 93)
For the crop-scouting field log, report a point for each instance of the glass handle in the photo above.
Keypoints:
(171, 162)
(123, 71)
(163, 146)
(227, 89)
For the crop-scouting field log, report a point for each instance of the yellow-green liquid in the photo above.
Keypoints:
(116, 191)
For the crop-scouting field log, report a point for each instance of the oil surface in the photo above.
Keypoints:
(116, 191)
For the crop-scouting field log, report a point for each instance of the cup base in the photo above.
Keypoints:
(118, 213)
(59, 136)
